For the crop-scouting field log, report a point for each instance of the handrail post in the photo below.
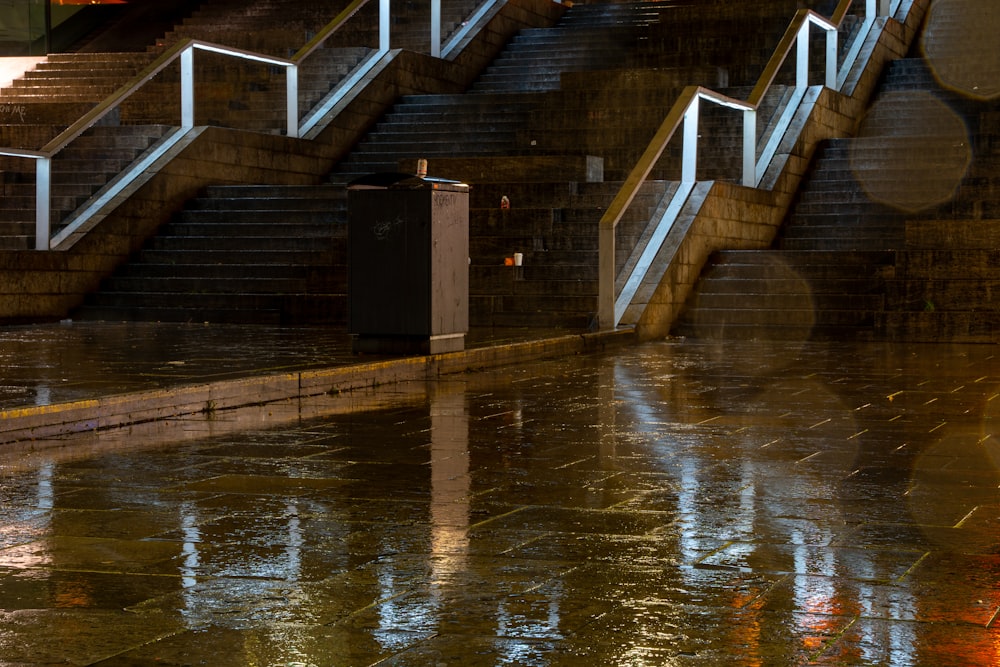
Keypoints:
(292, 100)
(802, 57)
(689, 153)
(187, 88)
(831, 59)
(436, 28)
(877, 8)
(383, 26)
(750, 148)
(43, 187)
(606, 276)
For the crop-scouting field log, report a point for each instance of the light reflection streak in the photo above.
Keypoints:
(815, 592)
(450, 481)
(294, 542)
(534, 618)
(190, 558)
(41, 525)
(450, 486)
(830, 586)
(46, 494)
(902, 639)
(647, 408)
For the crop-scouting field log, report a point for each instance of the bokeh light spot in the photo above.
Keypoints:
(751, 302)
(959, 45)
(911, 152)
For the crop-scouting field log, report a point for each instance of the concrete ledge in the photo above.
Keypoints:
(41, 426)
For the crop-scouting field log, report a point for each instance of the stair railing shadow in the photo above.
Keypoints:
(182, 53)
(616, 306)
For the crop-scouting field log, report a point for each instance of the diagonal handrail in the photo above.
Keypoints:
(183, 51)
(328, 30)
(684, 115)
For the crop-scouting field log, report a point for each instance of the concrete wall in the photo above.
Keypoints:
(721, 216)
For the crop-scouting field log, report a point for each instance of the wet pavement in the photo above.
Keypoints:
(46, 364)
(671, 503)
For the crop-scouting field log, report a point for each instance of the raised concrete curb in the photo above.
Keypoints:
(122, 410)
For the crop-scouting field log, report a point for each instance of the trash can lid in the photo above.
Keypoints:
(400, 181)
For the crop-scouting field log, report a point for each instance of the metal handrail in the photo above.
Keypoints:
(327, 32)
(685, 113)
(184, 52)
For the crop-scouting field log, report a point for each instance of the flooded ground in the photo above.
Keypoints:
(674, 503)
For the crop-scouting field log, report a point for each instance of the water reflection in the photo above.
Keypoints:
(666, 504)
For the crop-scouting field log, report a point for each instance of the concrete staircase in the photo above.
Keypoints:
(893, 235)
(76, 174)
(49, 98)
(524, 131)
(241, 94)
(554, 225)
(276, 252)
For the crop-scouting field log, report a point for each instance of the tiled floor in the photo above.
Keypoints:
(675, 503)
(44, 364)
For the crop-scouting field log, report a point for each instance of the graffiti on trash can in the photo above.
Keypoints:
(383, 229)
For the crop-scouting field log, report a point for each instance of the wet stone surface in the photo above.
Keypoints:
(44, 364)
(673, 503)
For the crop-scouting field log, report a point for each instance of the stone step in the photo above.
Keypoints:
(534, 270)
(813, 263)
(220, 285)
(212, 272)
(504, 246)
(473, 134)
(876, 229)
(805, 315)
(952, 293)
(203, 300)
(447, 102)
(224, 309)
(775, 332)
(778, 294)
(487, 280)
(258, 226)
(847, 244)
(233, 244)
(456, 146)
(275, 204)
(752, 288)
(289, 192)
(221, 256)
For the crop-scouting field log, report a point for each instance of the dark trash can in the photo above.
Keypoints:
(408, 264)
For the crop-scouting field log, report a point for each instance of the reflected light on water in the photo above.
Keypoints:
(934, 470)
(959, 44)
(911, 152)
(745, 515)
